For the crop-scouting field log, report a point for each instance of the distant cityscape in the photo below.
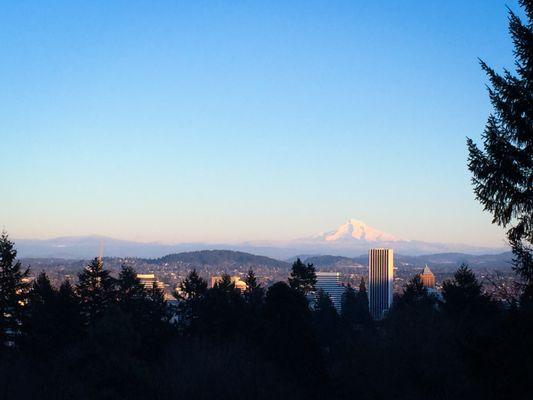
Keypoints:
(390, 276)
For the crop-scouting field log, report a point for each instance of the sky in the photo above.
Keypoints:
(225, 121)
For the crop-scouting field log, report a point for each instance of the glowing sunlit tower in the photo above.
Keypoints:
(428, 279)
(380, 278)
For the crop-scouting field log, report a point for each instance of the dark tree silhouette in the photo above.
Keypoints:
(303, 277)
(325, 319)
(503, 170)
(222, 309)
(349, 305)
(362, 307)
(192, 287)
(70, 323)
(414, 292)
(43, 312)
(13, 293)
(130, 290)
(463, 295)
(288, 336)
(254, 292)
(191, 293)
(96, 289)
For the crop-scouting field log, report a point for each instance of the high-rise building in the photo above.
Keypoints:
(329, 282)
(428, 279)
(380, 279)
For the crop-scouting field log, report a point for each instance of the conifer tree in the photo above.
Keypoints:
(13, 293)
(191, 293)
(463, 294)
(42, 290)
(363, 309)
(156, 310)
(225, 284)
(130, 290)
(43, 315)
(254, 292)
(192, 287)
(349, 305)
(503, 170)
(96, 289)
(414, 290)
(325, 318)
(303, 277)
(68, 307)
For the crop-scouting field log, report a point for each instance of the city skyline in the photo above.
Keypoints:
(183, 123)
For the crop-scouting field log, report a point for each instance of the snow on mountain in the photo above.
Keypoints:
(358, 230)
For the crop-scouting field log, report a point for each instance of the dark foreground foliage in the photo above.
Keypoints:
(111, 338)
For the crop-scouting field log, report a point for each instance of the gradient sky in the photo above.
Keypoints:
(239, 120)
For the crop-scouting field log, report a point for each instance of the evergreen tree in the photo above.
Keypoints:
(42, 290)
(70, 323)
(303, 277)
(463, 295)
(288, 336)
(325, 318)
(154, 319)
(43, 315)
(191, 293)
(222, 309)
(192, 287)
(348, 304)
(96, 289)
(503, 169)
(414, 292)
(13, 293)
(254, 292)
(225, 284)
(129, 286)
(363, 309)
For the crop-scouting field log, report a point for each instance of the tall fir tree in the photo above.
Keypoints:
(254, 292)
(414, 291)
(503, 170)
(363, 309)
(96, 289)
(325, 319)
(190, 293)
(192, 287)
(68, 305)
(463, 295)
(14, 289)
(349, 305)
(130, 290)
(44, 315)
(303, 277)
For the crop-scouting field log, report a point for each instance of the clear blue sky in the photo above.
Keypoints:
(235, 120)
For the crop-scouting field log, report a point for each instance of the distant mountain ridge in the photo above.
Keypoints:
(350, 239)
(355, 237)
(220, 258)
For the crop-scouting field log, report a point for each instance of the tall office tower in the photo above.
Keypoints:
(329, 282)
(428, 279)
(380, 278)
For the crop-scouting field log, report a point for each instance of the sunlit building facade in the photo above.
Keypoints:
(380, 280)
(329, 282)
(427, 277)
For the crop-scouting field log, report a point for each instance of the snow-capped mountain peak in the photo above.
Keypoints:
(355, 229)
